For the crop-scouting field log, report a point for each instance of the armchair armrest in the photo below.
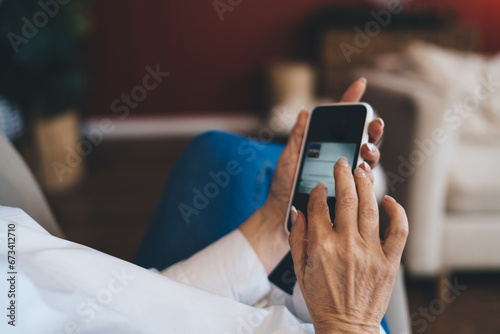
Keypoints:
(415, 154)
(20, 189)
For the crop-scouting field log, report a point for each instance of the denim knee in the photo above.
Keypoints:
(214, 139)
(223, 146)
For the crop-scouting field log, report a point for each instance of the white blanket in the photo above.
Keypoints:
(62, 287)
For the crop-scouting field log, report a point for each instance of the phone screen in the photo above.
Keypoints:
(334, 131)
(318, 161)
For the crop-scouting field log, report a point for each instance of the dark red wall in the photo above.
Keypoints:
(484, 14)
(214, 65)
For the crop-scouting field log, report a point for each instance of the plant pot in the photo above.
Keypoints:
(56, 161)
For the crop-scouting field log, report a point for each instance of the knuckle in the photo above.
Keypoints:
(364, 183)
(347, 202)
(371, 213)
(317, 207)
(349, 244)
(321, 249)
(321, 240)
(401, 233)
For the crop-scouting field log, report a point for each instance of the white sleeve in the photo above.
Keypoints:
(61, 286)
(229, 267)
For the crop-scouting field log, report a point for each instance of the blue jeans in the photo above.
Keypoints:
(217, 183)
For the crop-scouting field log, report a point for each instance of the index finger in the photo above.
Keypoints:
(346, 205)
(318, 213)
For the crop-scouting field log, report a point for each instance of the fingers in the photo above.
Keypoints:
(368, 208)
(368, 171)
(397, 232)
(297, 134)
(318, 214)
(355, 91)
(298, 242)
(346, 207)
(376, 130)
(371, 154)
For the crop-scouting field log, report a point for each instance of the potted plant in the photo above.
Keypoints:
(42, 74)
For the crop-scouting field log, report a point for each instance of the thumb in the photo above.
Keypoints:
(298, 242)
(397, 232)
(294, 142)
(355, 91)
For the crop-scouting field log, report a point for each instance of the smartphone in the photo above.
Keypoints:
(333, 131)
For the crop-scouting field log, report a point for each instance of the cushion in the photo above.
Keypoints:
(474, 182)
(474, 89)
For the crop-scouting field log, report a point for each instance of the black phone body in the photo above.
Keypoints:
(333, 131)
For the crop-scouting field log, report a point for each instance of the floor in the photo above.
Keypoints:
(110, 212)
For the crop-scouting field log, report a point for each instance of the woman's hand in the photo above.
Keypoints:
(281, 187)
(346, 274)
(264, 230)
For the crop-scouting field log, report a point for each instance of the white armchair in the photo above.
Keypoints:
(449, 185)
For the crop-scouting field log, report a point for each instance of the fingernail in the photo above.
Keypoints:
(358, 172)
(382, 124)
(366, 167)
(293, 215)
(321, 185)
(363, 80)
(371, 147)
(343, 162)
(389, 198)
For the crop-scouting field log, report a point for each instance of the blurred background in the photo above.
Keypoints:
(101, 97)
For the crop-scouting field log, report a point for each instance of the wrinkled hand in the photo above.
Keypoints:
(264, 229)
(281, 187)
(346, 274)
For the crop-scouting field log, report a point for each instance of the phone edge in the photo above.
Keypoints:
(297, 170)
(364, 140)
